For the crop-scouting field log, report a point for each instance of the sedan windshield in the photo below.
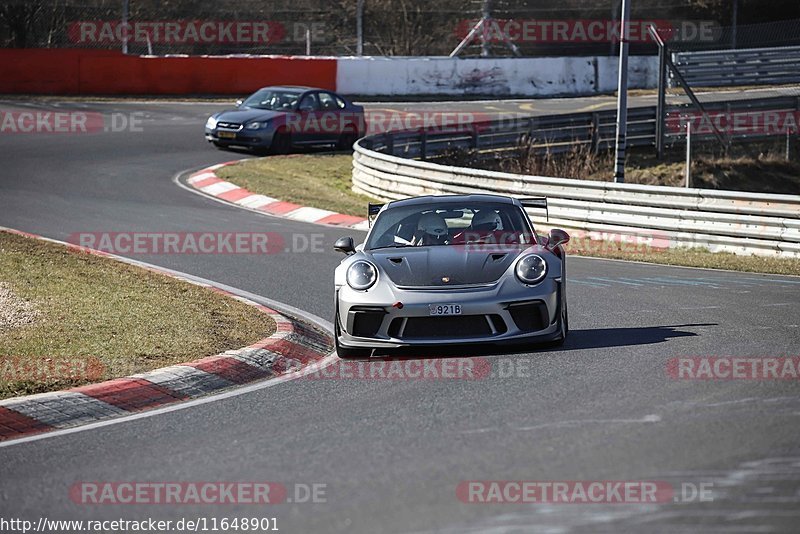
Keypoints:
(450, 224)
(276, 100)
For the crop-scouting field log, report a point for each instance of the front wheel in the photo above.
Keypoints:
(346, 140)
(281, 142)
(563, 320)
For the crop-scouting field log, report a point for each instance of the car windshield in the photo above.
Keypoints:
(272, 99)
(450, 223)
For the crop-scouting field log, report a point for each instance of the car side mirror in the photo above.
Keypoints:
(557, 237)
(239, 103)
(345, 245)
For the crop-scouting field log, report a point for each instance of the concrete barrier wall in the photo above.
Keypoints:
(81, 71)
(497, 77)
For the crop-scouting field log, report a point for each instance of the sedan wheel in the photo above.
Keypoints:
(346, 140)
(281, 142)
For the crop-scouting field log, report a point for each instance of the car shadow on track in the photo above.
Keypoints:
(599, 338)
(595, 338)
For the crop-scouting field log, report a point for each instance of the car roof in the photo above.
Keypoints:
(456, 199)
(298, 88)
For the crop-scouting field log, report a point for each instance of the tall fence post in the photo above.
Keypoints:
(125, 13)
(360, 28)
(689, 154)
(622, 93)
(787, 143)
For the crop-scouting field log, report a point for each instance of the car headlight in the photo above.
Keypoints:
(256, 125)
(211, 123)
(531, 269)
(361, 275)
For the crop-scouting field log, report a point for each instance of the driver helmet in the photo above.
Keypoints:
(433, 229)
(486, 220)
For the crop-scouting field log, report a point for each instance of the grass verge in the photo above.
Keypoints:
(318, 180)
(324, 181)
(97, 318)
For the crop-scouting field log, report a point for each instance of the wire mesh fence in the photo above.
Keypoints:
(388, 27)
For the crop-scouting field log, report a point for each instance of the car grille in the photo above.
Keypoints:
(366, 321)
(461, 326)
(230, 125)
(529, 316)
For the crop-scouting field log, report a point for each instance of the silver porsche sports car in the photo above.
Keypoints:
(445, 270)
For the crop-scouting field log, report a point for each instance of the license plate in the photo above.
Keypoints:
(226, 135)
(445, 309)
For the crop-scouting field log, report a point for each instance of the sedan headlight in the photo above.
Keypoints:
(211, 123)
(256, 125)
(531, 269)
(361, 275)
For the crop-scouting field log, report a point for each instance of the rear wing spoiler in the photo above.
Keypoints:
(372, 211)
(536, 203)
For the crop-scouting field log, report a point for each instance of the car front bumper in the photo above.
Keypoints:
(506, 312)
(246, 138)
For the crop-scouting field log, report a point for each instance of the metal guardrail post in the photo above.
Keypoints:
(389, 143)
(423, 144)
(595, 132)
(474, 135)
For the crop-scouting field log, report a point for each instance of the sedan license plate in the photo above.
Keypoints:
(444, 309)
(226, 135)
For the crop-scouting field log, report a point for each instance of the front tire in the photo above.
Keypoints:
(563, 320)
(346, 140)
(281, 142)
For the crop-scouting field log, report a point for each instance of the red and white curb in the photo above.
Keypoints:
(292, 347)
(207, 181)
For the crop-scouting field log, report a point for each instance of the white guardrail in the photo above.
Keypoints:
(729, 221)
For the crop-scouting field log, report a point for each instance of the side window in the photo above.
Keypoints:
(309, 103)
(330, 102)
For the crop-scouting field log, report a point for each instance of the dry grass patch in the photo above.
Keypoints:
(98, 318)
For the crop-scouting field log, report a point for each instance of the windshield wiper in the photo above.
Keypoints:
(396, 245)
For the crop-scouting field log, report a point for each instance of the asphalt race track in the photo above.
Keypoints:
(392, 452)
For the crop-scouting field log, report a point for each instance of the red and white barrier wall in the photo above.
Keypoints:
(108, 72)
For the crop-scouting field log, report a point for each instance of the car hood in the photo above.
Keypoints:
(243, 115)
(445, 266)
